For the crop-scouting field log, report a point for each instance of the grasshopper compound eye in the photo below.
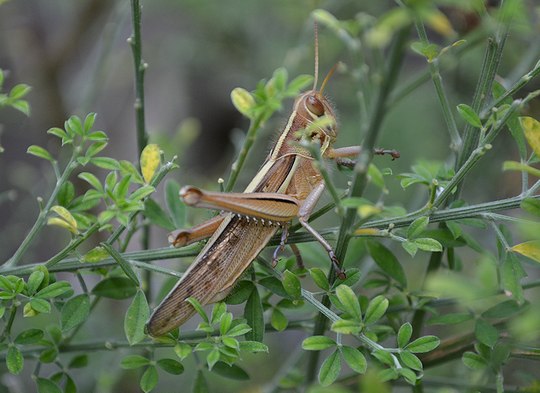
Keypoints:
(315, 106)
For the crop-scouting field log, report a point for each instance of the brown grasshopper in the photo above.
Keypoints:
(287, 186)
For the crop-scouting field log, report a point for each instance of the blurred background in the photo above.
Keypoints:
(76, 57)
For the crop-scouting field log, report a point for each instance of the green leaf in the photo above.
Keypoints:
(531, 205)
(486, 333)
(225, 323)
(291, 284)
(253, 346)
(217, 312)
(346, 326)
(157, 215)
(253, 313)
(473, 361)
(40, 152)
(298, 84)
(79, 361)
(404, 334)
(149, 379)
(423, 344)
(317, 343)
(511, 274)
(89, 122)
(278, 320)
(350, 302)
(384, 258)
(134, 361)
(171, 366)
(74, 125)
(320, 279)
(417, 227)
(212, 358)
(75, 311)
(469, 115)
(34, 281)
(40, 305)
(107, 163)
(115, 288)
(58, 132)
(49, 355)
(408, 375)
(91, 179)
(29, 336)
(354, 358)
(54, 290)
(124, 265)
(19, 91)
(135, 319)
(330, 369)
(176, 207)
(240, 293)
(410, 360)
(230, 371)
(376, 309)
(274, 285)
(141, 193)
(199, 308)
(428, 244)
(384, 357)
(182, 350)
(14, 360)
(502, 310)
(47, 386)
(238, 330)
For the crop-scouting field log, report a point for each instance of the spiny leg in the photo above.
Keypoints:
(304, 213)
(279, 249)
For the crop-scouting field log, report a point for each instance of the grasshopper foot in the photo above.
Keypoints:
(335, 262)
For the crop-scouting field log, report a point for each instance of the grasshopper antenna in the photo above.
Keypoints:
(316, 76)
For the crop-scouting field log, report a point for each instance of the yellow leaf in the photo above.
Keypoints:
(243, 101)
(531, 128)
(150, 161)
(60, 222)
(65, 215)
(366, 211)
(367, 231)
(440, 23)
(530, 249)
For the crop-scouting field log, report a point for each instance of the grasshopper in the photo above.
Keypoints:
(287, 186)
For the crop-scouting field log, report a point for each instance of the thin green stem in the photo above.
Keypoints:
(434, 70)
(237, 166)
(140, 67)
(73, 244)
(142, 136)
(513, 90)
(41, 220)
(9, 324)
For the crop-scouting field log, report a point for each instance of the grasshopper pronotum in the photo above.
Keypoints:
(287, 186)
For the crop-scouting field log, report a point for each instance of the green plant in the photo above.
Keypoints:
(388, 322)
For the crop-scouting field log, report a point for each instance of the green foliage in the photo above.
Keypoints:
(449, 264)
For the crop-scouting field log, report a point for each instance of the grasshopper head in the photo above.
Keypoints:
(319, 117)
